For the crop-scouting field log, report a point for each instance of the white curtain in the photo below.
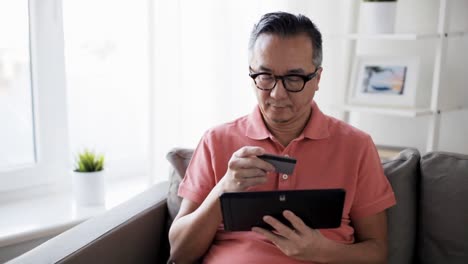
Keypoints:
(201, 67)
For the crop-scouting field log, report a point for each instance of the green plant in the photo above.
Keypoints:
(88, 161)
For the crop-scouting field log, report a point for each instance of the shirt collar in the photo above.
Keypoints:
(256, 128)
(316, 128)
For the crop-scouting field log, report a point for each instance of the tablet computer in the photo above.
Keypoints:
(319, 208)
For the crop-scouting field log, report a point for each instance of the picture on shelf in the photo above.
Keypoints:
(384, 81)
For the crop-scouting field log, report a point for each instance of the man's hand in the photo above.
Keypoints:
(302, 242)
(245, 169)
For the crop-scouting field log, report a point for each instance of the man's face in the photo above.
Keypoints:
(281, 56)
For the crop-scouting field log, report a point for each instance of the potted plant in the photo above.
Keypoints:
(378, 16)
(88, 179)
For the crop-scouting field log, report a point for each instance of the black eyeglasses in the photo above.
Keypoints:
(291, 82)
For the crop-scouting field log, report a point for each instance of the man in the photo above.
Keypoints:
(285, 58)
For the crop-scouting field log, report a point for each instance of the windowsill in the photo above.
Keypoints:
(50, 215)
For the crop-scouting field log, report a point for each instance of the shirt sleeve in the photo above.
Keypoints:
(374, 193)
(200, 177)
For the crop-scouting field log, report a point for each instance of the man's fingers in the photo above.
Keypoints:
(250, 162)
(282, 229)
(296, 222)
(252, 181)
(244, 183)
(248, 173)
(248, 151)
(275, 239)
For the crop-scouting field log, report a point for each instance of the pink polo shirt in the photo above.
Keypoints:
(329, 153)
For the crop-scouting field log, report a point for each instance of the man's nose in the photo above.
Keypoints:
(279, 91)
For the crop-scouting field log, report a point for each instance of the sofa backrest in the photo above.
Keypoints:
(179, 159)
(402, 172)
(443, 211)
(429, 222)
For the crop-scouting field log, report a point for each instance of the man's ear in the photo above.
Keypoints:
(319, 75)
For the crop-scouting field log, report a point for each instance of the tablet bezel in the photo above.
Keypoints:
(318, 208)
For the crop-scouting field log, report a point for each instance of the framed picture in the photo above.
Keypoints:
(384, 81)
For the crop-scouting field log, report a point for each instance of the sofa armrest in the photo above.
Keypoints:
(133, 232)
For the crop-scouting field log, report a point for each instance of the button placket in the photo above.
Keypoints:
(285, 182)
(285, 176)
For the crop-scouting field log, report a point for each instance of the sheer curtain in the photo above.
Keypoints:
(201, 68)
(107, 66)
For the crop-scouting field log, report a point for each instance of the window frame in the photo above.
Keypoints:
(50, 172)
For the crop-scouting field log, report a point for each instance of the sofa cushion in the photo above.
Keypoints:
(179, 159)
(402, 172)
(443, 222)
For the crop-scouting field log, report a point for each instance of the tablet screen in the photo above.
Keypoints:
(319, 208)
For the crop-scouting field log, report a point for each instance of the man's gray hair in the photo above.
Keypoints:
(288, 25)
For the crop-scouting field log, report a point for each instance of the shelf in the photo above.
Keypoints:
(406, 112)
(453, 108)
(457, 34)
(440, 35)
(401, 36)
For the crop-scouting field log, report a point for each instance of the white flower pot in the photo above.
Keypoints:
(89, 188)
(377, 17)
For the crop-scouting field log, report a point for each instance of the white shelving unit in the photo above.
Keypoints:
(434, 110)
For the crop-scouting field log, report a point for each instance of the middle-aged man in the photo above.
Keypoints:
(285, 56)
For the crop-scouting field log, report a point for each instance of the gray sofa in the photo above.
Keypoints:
(429, 224)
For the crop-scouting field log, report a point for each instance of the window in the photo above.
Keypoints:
(100, 102)
(16, 108)
(48, 103)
